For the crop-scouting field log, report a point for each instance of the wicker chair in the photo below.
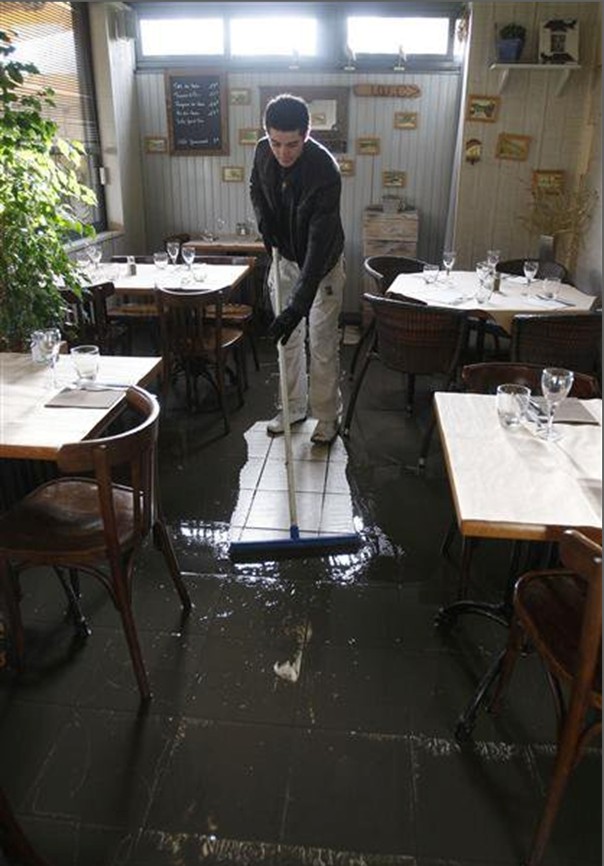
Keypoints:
(383, 270)
(559, 612)
(571, 340)
(417, 340)
(547, 269)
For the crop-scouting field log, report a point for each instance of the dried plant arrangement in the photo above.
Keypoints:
(563, 215)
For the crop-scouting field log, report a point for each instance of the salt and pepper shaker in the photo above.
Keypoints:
(130, 266)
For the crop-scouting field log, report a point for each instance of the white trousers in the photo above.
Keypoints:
(317, 387)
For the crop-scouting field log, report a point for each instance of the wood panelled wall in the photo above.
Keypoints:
(186, 193)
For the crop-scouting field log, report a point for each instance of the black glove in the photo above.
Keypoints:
(282, 327)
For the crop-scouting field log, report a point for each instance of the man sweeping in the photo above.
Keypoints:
(295, 190)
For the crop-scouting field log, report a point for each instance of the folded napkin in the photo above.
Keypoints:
(570, 411)
(79, 398)
(510, 278)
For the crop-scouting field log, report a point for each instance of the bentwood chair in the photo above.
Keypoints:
(547, 269)
(571, 340)
(93, 519)
(239, 308)
(415, 339)
(196, 344)
(383, 270)
(559, 613)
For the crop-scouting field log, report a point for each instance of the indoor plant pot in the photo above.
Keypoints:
(510, 43)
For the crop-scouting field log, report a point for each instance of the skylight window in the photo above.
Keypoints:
(373, 35)
(279, 37)
(181, 36)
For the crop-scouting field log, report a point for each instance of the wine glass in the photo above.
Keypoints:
(530, 272)
(188, 256)
(448, 262)
(160, 259)
(493, 257)
(173, 248)
(555, 384)
(49, 344)
(95, 254)
(220, 226)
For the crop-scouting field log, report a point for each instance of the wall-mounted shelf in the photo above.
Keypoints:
(563, 72)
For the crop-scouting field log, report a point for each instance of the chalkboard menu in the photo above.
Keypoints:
(197, 113)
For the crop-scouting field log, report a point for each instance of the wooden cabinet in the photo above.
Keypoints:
(389, 234)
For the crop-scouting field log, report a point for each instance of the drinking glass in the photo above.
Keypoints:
(448, 262)
(173, 248)
(485, 288)
(555, 384)
(86, 362)
(493, 257)
(530, 272)
(551, 288)
(220, 226)
(49, 344)
(483, 269)
(512, 404)
(160, 259)
(430, 273)
(95, 254)
(188, 256)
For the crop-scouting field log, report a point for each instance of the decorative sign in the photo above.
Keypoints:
(156, 144)
(368, 146)
(250, 135)
(402, 91)
(394, 178)
(559, 41)
(197, 115)
(405, 119)
(346, 165)
(548, 181)
(483, 108)
(239, 96)
(473, 150)
(232, 173)
(512, 146)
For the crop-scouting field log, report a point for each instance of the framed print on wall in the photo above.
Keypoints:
(368, 146)
(559, 41)
(346, 166)
(396, 179)
(405, 119)
(512, 146)
(483, 108)
(232, 173)
(548, 181)
(156, 144)
(250, 136)
(239, 96)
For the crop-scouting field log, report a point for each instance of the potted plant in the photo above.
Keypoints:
(39, 191)
(510, 43)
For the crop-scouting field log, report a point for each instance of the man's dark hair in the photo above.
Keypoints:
(287, 113)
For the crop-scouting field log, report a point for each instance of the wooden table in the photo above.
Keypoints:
(502, 306)
(30, 430)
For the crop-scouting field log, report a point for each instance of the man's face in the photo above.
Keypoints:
(286, 146)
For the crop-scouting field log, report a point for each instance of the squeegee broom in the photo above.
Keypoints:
(296, 545)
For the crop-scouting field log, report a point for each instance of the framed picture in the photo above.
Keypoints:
(512, 146)
(156, 144)
(405, 119)
(548, 181)
(239, 96)
(394, 178)
(232, 173)
(368, 146)
(483, 108)
(249, 136)
(559, 41)
(346, 166)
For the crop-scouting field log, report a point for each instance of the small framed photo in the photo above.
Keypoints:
(239, 96)
(396, 179)
(249, 136)
(512, 146)
(368, 146)
(405, 119)
(156, 144)
(232, 173)
(559, 41)
(548, 181)
(346, 165)
(483, 108)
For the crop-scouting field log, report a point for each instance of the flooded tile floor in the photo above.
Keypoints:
(304, 712)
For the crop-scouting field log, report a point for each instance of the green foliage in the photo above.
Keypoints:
(513, 31)
(39, 187)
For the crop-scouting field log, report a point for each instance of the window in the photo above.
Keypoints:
(373, 35)
(182, 36)
(273, 37)
(55, 37)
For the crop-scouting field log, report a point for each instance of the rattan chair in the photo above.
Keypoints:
(195, 344)
(383, 270)
(559, 613)
(415, 339)
(95, 525)
(570, 340)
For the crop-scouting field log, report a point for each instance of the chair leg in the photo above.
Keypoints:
(356, 389)
(71, 588)
(253, 347)
(9, 589)
(163, 542)
(124, 606)
(14, 843)
(410, 393)
(365, 336)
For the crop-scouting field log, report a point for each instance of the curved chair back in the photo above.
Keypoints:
(384, 269)
(484, 379)
(571, 340)
(547, 270)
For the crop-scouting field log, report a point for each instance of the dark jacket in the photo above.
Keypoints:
(302, 218)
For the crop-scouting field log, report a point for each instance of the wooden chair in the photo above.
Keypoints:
(547, 269)
(239, 308)
(132, 310)
(570, 340)
(196, 344)
(95, 525)
(559, 612)
(88, 319)
(417, 340)
(383, 270)
(485, 377)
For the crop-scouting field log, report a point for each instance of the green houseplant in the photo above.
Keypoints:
(39, 190)
(510, 43)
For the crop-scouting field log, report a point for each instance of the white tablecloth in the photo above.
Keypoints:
(147, 277)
